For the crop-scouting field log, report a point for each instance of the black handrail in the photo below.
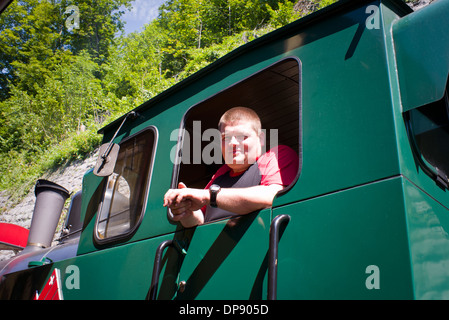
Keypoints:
(275, 234)
(157, 267)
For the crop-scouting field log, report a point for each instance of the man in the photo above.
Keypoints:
(248, 181)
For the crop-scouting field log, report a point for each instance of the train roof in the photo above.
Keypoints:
(4, 4)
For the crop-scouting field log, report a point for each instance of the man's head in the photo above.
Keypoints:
(240, 114)
(242, 137)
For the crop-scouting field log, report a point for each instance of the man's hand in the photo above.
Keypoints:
(185, 204)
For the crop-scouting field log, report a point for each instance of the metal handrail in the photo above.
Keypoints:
(157, 268)
(275, 234)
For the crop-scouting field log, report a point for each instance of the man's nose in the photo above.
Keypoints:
(234, 141)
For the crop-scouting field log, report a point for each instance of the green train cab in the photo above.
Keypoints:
(359, 91)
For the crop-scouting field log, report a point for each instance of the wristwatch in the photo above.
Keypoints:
(214, 190)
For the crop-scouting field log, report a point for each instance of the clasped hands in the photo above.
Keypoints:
(183, 202)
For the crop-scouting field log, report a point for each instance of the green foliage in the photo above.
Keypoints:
(199, 24)
(284, 14)
(34, 38)
(134, 69)
(66, 99)
(99, 22)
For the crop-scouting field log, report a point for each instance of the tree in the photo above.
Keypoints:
(99, 21)
(25, 38)
(34, 38)
(189, 24)
(50, 75)
(134, 69)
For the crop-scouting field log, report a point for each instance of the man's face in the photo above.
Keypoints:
(240, 145)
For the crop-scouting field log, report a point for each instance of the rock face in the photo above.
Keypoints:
(416, 5)
(69, 176)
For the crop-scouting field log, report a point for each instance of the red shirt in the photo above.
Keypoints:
(277, 166)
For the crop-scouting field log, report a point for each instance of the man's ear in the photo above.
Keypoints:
(262, 137)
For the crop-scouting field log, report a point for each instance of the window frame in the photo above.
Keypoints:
(182, 128)
(439, 176)
(131, 231)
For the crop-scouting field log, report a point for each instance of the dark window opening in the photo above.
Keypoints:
(429, 128)
(274, 93)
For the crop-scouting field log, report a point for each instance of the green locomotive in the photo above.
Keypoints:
(359, 91)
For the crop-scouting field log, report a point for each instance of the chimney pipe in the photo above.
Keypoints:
(50, 199)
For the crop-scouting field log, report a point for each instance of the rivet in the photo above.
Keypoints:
(182, 286)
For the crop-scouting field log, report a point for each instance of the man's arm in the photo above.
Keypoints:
(246, 200)
(185, 203)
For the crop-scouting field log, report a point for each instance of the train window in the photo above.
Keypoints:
(430, 128)
(274, 93)
(126, 190)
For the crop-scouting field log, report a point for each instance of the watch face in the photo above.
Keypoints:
(214, 189)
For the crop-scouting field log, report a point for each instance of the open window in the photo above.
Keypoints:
(428, 128)
(126, 189)
(274, 93)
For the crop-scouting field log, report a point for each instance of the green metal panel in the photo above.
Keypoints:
(422, 45)
(227, 259)
(411, 169)
(331, 240)
(213, 254)
(428, 229)
(348, 129)
(427, 18)
(122, 272)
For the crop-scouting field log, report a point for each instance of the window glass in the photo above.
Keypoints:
(126, 189)
(430, 126)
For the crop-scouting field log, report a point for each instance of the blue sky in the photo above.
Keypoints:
(143, 11)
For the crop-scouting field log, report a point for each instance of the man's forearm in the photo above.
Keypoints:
(186, 203)
(246, 200)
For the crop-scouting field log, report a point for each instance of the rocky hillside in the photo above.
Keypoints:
(416, 5)
(69, 176)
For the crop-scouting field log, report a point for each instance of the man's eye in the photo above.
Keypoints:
(237, 137)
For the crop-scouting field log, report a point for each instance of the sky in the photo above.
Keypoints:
(143, 11)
